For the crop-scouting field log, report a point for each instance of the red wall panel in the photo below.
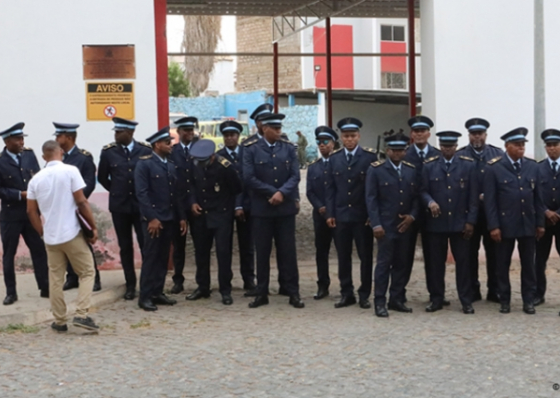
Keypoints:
(342, 67)
(393, 64)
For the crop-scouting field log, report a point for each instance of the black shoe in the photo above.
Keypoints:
(226, 299)
(433, 307)
(249, 285)
(197, 294)
(162, 299)
(539, 301)
(493, 297)
(505, 309)
(296, 302)
(446, 303)
(251, 293)
(259, 300)
(10, 299)
(97, 286)
(283, 292)
(177, 288)
(322, 292)
(86, 323)
(381, 311)
(130, 293)
(345, 301)
(70, 284)
(45, 293)
(59, 328)
(468, 309)
(476, 296)
(365, 304)
(399, 307)
(147, 305)
(529, 308)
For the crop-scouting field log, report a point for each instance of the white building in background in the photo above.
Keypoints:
(222, 78)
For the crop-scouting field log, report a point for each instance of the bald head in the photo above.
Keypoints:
(52, 151)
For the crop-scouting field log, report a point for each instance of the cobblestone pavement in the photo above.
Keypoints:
(205, 349)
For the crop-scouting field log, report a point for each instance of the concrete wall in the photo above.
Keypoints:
(302, 118)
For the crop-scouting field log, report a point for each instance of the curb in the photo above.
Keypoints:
(29, 318)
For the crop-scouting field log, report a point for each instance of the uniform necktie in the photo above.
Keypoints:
(126, 151)
(233, 156)
(516, 166)
(554, 164)
(18, 160)
(447, 165)
(349, 158)
(186, 151)
(421, 154)
(399, 171)
(64, 156)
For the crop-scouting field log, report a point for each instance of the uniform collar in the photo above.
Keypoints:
(160, 158)
(395, 166)
(71, 150)
(129, 146)
(520, 161)
(425, 150)
(12, 155)
(448, 161)
(269, 144)
(353, 152)
(186, 146)
(550, 161)
(236, 150)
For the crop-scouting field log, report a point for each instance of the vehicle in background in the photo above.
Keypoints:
(211, 130)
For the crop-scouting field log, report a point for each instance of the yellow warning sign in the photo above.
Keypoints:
(104, 101)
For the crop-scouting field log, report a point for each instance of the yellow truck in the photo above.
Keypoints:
(211, 130)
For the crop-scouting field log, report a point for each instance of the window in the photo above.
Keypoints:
(392, 33)
(393, 80)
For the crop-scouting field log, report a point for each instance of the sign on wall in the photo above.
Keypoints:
(106, 100)
(109, 62)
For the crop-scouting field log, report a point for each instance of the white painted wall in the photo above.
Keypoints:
(552, 62)
(41, 78)
(222, 78)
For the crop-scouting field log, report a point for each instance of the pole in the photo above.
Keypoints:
(411, 60)
(275, 61)
(539, 80)
(329, 73)
(162, 80)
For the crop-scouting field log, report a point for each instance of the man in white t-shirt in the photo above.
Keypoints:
(56, 192)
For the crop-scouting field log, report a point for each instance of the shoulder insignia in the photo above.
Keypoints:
(337, 151)
(85, 152)
(431, 159)
(408, 164)
(378, 163)
(27, 149)
(494, 160)
(249, 140)
(466, 158)
(111, 145)
(145, 157)
(370, 150)
(145, 144)
(315, 161)
(224, 162)
(247, 143)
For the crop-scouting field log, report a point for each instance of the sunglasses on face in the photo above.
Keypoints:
(323, 142)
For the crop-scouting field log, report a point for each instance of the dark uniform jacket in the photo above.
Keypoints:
(183, 165)
(454, 190)
(317, 173)
(513, 202)
(549, 184)
(242, 200)
(215, 189)
(269, 170)
(488, 153)
(158, 191)
(388, 195)
(412, 157)
(83, 160)
(14, 180)
(116, 174)
(346, 185)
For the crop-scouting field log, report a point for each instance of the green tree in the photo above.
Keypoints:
(178, 83)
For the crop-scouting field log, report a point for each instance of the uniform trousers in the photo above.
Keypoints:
(504, 250)
(282, 231)
(542, 253)
(392, 257)
(203, 238)
(416, 228)
(246, 248)
(323, 238)
(439, 243)
(123, 223)
(11, 231)
(481, 233)
(155, 260)
(345, 234)
(179, 244)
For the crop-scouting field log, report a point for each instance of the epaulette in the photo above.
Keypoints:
(370, 150)
(111, 145)
(250, 141)
(145, 157)
(224, 162)
(431, 159)
(337, 151)
(408, 164)
(466, 158)
(145, 144)
(27, 149)
(315, 161)
(378, 163)
(462, 148)
(529, 159)
(494, 160)
(85, 152)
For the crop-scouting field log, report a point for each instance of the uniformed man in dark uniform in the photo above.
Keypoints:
(116, 173)
(233, 152)
(82, 159)
(316, 184)
(417, 153)
(481, 152)
(549, 184)
(392, 203)
(515, 212)
(271, 173)
(347, 211)
(450, 191)
(18, 164)
(216, 185)
(161, 199)
(261, 110)
(183, 165)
